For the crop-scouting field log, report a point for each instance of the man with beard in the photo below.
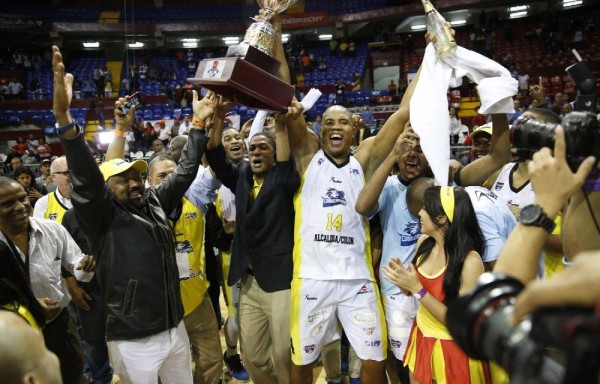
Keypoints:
(189, 224)
(130, 234)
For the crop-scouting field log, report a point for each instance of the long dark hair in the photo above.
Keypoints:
(461, 237)
(14, 287)
(29, 172)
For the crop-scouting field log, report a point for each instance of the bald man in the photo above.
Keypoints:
(23, 356)
(54, 205)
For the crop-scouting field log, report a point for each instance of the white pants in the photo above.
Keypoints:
(165, 355)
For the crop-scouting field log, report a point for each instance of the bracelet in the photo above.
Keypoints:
(421, 294)
(120, 133)
(199, 123)
(61, 130)
(566, 262)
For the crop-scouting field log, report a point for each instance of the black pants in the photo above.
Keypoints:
(61, 338)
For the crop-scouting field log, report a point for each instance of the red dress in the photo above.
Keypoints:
(433, 355)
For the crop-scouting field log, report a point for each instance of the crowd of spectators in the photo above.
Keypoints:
(303, 213)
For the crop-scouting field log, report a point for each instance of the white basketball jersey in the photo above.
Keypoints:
(517, 197)
(331, 240)
(502, 188)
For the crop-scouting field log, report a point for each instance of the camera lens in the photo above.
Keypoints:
(481, 325)
(531, 134)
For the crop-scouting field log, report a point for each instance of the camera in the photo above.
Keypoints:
(582, 131)
(582, 136)
(134, 101)
(481, 325)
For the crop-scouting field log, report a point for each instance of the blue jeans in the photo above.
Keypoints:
(93, 329)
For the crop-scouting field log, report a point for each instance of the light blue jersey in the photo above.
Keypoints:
(495, 220)
(401, 229)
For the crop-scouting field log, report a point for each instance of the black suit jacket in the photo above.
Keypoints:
(264, 234)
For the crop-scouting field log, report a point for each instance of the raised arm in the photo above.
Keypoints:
(91, 198)
(304, 143)
(368, 199)
(282, 142)
(481, 169)
(553, 183)
(370, 157)
(116, 148)
(173, 188)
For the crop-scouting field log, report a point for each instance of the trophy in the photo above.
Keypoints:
(248, 72)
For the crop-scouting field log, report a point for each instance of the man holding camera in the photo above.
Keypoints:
(132, 239)
(512, 185)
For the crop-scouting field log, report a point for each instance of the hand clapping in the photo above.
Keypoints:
(405, 279)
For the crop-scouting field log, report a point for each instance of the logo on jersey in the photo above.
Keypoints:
(310, 348)
(334, 180)
(308, 297)
(498, 186)
(191, 215)
(184, 247)
(491, 196)
(365, 289)
(354, 171)
(411, 234)
(53, 216)
(334, 197)
(374, 343)
(395, 343)
(321, 160)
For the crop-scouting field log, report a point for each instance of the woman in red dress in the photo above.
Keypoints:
(447, 266)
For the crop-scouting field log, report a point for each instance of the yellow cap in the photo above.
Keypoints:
(485, 128)
(116, 166)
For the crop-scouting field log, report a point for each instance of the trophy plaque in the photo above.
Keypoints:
(248, 71)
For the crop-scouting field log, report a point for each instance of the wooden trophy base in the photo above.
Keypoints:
(248, 75)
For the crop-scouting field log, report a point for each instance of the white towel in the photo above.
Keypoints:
(429, 104)
(258, 125)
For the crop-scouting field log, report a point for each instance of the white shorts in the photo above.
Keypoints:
(400, 313)
(316, 307)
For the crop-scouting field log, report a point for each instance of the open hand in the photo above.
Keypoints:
(291, 114)
(80, 297)
(204, 109)
(63, 87)
(405, 279)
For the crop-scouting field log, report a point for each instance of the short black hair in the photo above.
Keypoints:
(546, 115)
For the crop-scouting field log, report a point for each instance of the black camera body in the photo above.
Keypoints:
(582, 131)
(481, 325)
(582, 136)
(134, 101)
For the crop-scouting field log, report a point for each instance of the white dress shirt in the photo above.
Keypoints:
(41, 206)
(50, 247)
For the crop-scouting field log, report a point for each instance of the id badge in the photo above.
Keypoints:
(183, 265)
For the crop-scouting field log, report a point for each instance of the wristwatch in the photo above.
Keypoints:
(534, 215)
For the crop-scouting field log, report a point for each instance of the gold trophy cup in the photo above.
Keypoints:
(248, 71)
